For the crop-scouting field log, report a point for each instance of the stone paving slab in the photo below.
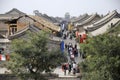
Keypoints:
(65, 78)
(78, 59)
(59, 71)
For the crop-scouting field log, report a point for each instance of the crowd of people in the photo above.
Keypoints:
(68, 34)
(72, 51)
(71, 67)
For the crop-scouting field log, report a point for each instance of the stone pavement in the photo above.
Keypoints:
(3, 70)
(78, 59)
(59, 71)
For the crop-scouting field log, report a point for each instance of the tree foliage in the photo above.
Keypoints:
(103, 58)
(31, 57)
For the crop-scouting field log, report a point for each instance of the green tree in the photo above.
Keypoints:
(103, 58)
(31, 57)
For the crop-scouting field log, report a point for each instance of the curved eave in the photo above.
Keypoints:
(45, 23)
(102, 21)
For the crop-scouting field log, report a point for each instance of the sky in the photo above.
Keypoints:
(60, 7)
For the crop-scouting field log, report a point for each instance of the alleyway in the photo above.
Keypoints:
(78, 59)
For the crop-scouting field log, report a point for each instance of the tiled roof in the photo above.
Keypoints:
(15, 10)
(46, 23)
(21, 32)
(103, 21)
(89, 19)
(106, 27)
(9, 17)
(80, 18)
(111, 14)
(12, 14)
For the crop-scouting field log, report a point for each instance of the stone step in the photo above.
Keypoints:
(65, 78)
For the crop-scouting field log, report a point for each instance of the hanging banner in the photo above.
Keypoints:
(2, 57)
(62, 46)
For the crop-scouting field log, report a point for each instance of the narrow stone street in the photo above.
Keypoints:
(78, 59)
(60, 40)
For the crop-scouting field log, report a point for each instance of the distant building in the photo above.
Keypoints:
(85, 21)
(15, 20)
(102, 25)
(14, 23)
(23, 34)
(67, 17)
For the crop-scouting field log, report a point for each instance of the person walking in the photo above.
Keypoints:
(69, 68)
(72, 57)
(74, 68)
(64, 67)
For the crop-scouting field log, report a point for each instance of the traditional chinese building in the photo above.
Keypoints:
(88, 21)
(14, 24)
(107, 22)
(15, 20)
